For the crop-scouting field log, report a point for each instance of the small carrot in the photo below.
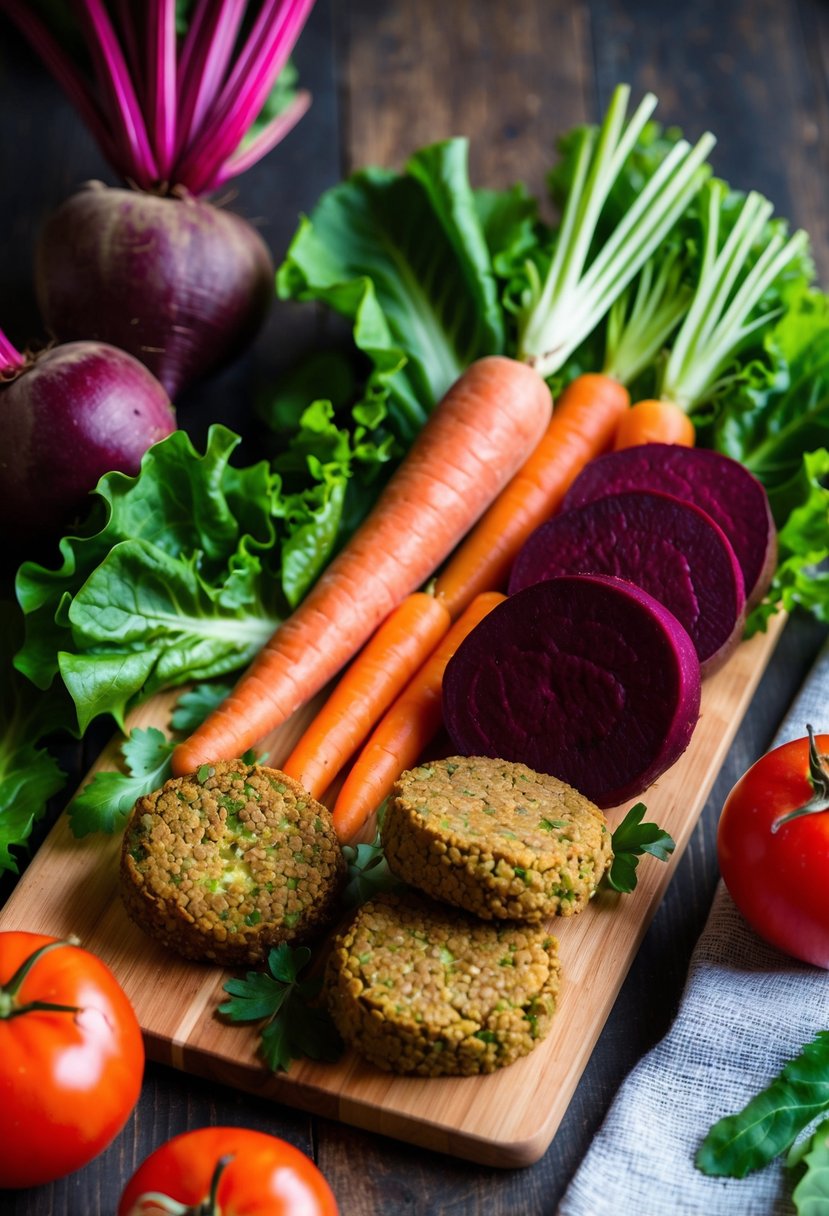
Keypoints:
(584, 422)
(410, 723)
(378, 674)
(653, 421)
(474, 441)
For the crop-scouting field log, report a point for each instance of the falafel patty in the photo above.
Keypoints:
(495, 838)
(224, 863)
(416, 987)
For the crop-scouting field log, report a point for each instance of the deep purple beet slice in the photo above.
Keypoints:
(585, 677)
(720, 486)
(665, 545)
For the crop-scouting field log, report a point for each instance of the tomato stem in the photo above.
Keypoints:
(819, 778)
(9, 1006)
(210, 1207)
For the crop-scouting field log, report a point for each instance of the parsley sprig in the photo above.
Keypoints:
(368, 872)
(294, 1025)
(630, 840)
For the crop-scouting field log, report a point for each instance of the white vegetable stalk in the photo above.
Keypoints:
(558, 314)
(719, 320)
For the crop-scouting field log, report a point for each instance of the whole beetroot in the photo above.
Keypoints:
(70, 415)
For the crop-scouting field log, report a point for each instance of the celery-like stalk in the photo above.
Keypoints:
(722, 317)
(642, 319)
(558, 314)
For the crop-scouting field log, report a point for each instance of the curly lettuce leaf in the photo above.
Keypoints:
(408, 258)
(183, 572)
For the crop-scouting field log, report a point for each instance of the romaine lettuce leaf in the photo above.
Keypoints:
(409, 259)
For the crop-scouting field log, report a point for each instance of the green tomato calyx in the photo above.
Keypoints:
(819, 778)
(10, 1004)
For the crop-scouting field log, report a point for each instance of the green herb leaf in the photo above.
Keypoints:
(193, 706)
(630, 840)
(29, 775)
(294, 1024)
(771, 1121)
(105, 802)
(368, 872)
(811, 1194)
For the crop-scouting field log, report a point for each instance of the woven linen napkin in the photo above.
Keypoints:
(745, 1011)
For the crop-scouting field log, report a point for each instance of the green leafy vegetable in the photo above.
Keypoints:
(408, 258)
(368, 871)
(771, 1121)
(193, 706)
(630, 840)
(183, 572)
(105, 802)
(29, 775)
(294, 1025)
(811, 1195)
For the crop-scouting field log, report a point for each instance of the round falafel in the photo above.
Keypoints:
(229, 861)
(416, 987)
(495, 838)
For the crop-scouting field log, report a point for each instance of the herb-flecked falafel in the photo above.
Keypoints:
(416, 987)
(495, 838)
(224, 863)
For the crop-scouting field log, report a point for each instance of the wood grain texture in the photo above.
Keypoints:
(756, 72)
(507, 1119)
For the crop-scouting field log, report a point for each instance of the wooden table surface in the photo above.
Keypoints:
(386, 79)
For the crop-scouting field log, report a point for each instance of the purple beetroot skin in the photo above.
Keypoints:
(666, 546)
(180, 284)
(718, 485)
(78, 411)
(585, 677)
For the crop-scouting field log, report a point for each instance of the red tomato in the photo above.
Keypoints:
(776, 864)
(258, 1175)
(69, 1076)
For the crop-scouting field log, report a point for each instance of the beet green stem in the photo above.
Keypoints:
(129, 129)
(262, 58)
(270, 135)
(160, 47)
(10, 356)
(205, 55)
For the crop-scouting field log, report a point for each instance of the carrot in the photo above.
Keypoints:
(410, 723)
(583, 424)
(653, 421)
(477, 437)
(378, 674)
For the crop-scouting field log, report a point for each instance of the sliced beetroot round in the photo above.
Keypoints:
(586, 677)
(665, 545)
(720, 486)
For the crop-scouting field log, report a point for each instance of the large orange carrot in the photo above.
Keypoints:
(410, 723)
(378, 674)
(584, 423)
(654, 421)
(477, 437)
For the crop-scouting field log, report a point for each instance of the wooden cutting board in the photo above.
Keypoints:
(506, 1119)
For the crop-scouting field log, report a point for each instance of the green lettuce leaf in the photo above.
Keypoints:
(183, 572)
(29, 775)
(408, 259)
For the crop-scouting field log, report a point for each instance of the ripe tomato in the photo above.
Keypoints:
(71, 1058)
(776, 863)
(227, 1170)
